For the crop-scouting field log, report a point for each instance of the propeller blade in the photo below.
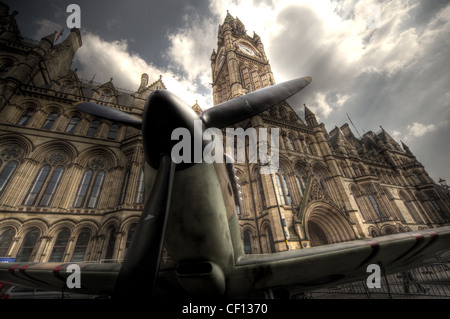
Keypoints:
(248, 105)
(109, 113)
(139, 271)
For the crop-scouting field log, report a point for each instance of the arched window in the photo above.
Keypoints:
(72, 124)
(93, 128)
(81, 246)
(6, 239)
(308, 148)
(5, 66)
(6, 174)
(51, 118)
(28, 245)
(291, 143)
(247, 242)
(51, 186)
(113, 131)
(140, 188)
(90, 189)
(111, 242)
(26, 116)
(66, 88)
(59, 248)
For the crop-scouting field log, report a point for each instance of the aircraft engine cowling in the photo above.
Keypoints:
(201, 278)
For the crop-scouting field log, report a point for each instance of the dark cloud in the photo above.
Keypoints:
(399, 78)
(396, 75)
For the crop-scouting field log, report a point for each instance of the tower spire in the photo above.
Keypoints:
(310, 117)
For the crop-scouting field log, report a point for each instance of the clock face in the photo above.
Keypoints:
(246, 49)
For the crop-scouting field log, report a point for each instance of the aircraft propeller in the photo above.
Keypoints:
(163, 113)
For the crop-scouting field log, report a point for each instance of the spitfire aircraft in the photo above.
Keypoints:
(200, 229)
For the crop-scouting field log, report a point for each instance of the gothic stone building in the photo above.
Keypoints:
(71, 185)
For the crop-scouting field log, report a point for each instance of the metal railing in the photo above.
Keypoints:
(431, 281)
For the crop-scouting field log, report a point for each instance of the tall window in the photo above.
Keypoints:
(59, 248)
(283, 190)
(51, 118)
(96, 190)
(261, 191)
(374, 203)
(291, 143)
(28, 245)
(40, 181)
(6, 174)
(111, 243)
(280, 190)
(90, 189)
(113, 131)
(130, 236)
(26, 116)
(269, 237)
(123, 192)
(140, 188)
(300, 185)
(286, 190)
(409, 206)
(6, 239)
(308, 147)
(247, 242)
(52, 186)
(72, 124)
(81, 246)
(37, 185)
(83, 189)
(93, 128)
(357, 196)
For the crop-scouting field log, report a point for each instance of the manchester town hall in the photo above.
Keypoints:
(71, 184)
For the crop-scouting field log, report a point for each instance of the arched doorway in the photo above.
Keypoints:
(317, 236)
(326, 225)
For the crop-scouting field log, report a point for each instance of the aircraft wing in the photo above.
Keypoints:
(298, 270)
(321, 266)
(95, 278)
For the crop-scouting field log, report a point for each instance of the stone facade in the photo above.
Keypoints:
(71, 185)
(331, 186)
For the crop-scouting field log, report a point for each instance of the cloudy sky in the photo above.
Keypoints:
(382, 62)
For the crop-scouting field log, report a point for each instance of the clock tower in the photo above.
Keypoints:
(240, 64)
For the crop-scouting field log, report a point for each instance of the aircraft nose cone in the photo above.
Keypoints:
(165, 117)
